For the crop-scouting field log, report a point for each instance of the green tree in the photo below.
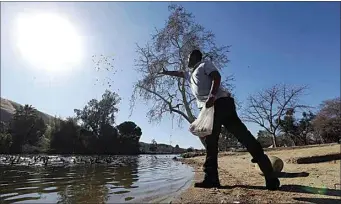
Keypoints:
(5, 143)
(108, 140)
(98, 113)
(227, 140)
(92, 130)
(264, 138)
(52, 128)
(176, 149)
(66, 138)
(306, 128)
(129, 136)
(285, 141)
(44, 144)
(153, 146)
(168, 49)
(4, 127)
(5, 138)
(300, 131)
(26, 128)
(89, 142)
(190, 149)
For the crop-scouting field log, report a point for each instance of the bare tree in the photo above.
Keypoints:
(267, 107)
(169, 48)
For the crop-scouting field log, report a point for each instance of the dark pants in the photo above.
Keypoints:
(225, 114)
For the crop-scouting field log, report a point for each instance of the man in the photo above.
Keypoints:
(205, 80)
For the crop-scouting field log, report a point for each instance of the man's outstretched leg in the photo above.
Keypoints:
(235, 126)
(211, 164)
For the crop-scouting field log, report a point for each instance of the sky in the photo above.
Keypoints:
(296, 43)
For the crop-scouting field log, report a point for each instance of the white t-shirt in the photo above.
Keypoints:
(201, 83)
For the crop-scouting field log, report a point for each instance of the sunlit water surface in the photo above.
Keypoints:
(144, 178)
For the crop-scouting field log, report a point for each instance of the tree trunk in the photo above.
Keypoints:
(321, 138)
(306, 140)
(274, 142)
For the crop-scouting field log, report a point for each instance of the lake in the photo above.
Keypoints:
(111, 179)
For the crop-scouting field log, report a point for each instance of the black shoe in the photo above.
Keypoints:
(271, 180)
(272, 183)
(207, 184)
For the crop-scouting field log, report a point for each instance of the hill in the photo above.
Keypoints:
(8, 108)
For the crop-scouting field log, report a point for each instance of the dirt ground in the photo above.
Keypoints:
(241, 183)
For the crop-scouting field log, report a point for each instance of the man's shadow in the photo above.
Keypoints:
(291, 175)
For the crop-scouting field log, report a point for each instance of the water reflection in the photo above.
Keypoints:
(131, 179)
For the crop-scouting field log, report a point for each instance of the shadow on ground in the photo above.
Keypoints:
(319, 200)
(293, 189)
(292, 175)
(319, 159)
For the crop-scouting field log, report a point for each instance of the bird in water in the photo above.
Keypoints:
(18, 160)
(108, 160)
(45, 160)
(7, 159)
(12, 161)
(35, 159)
(92, 160)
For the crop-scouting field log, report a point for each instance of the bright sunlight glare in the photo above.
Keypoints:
(48, 41)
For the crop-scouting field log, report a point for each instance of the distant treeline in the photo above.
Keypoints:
(310, 128)
(90, 131)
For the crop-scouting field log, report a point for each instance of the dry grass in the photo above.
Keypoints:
(301, 183)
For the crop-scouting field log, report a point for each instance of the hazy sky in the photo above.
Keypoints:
(272, 42)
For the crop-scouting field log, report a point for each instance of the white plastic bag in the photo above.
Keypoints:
(203, 125)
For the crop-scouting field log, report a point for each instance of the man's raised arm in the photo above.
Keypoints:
(173, 73)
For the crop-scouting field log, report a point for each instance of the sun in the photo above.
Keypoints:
(48, 41)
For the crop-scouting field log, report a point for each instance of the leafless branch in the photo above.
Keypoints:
(267, 107)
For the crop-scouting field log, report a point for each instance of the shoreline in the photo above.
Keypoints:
(71, 154)
(241, 183)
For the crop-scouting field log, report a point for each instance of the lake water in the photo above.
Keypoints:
(122, 179)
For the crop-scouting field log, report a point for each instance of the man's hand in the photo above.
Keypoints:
(210, 102)
(163, 72)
